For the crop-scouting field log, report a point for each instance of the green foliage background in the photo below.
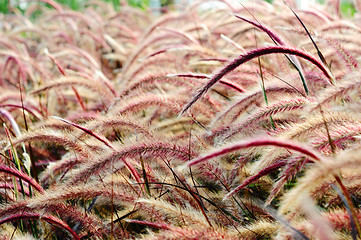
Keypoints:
(346, 6)
(5, 6)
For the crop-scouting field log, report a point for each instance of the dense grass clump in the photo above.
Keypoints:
(196, 124)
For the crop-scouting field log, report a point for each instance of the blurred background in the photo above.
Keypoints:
(158, 6)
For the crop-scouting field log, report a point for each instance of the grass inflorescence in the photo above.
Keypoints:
(238, 122)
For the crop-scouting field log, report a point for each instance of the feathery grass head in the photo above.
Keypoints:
(119, 85)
